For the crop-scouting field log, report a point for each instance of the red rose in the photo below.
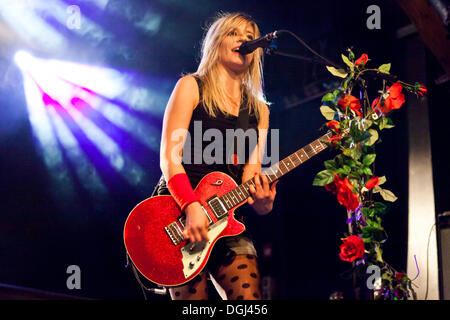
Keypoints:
(344, 191)
(372, 183)
(362, 60)
(334, 125)
(352, 102)
(334, 139)
(395, 99)
(333, 186)
(421, 90)
(399, 276)
(346, 197)
(352, 248)
(375, 107)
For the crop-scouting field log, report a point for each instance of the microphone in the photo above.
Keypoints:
(263, 42)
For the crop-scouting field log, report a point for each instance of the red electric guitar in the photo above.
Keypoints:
(153, 230)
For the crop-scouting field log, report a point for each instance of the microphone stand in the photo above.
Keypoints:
(273, 51)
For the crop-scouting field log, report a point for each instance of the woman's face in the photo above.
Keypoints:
(228, 56)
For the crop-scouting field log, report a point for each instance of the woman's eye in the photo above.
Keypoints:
(232, 33)
(250, 38)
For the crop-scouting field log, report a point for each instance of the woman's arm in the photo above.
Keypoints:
(177, 117)
(263, 195)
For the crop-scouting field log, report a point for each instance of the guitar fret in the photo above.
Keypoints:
(237, 195)
(233, 197)
(303, 149)
(269, 177)
(274, 173)
(241, 192)
(300, 160)
(226, 200)
(309, 150)
(292, 161)
(288, 164)
(285, 167)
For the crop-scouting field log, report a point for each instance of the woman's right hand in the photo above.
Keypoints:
(197, 224)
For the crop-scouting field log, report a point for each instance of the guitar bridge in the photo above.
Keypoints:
(175, 234)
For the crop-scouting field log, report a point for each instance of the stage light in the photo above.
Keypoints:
(74, 124)
(23, 60)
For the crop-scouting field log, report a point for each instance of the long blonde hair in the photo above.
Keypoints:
(213, 94)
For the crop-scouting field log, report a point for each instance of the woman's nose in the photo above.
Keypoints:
(241, 38)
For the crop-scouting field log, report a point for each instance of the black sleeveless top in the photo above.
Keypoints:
(209, 145)
(196, 171)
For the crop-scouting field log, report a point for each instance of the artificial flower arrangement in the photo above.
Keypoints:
(356, 125)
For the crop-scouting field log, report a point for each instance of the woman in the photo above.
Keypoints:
(224, 83)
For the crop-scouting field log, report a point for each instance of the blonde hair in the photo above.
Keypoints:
(213, 94)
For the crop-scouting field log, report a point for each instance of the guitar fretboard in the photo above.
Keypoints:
(242, 192)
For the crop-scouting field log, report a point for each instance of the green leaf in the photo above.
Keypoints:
(330, 164)
(327, 112)
(385, 68)
(354, 175)
(323, 177)
(379, 253)
(354, 130)
(345, 84)
(348, 62)
(336, 92)
(374, 223)
(354, 153)
(351, 55)
(385, 123)
(367, 171)
(379, 208)
(367, 123)
(364, 136)
(328, 97)
(367, 240)
(345, 170)
(337, 72)
(376, 189)
(388, 195)
(369, 159)
(368, 212)
(373, 137)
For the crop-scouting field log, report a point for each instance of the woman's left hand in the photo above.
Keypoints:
(262, 197)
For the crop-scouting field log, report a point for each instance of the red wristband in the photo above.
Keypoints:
(181, 190)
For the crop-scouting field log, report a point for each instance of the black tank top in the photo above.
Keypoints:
(195, 162)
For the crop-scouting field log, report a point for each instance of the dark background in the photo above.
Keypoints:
(39, 240)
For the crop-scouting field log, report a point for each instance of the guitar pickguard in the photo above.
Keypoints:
(192, 258)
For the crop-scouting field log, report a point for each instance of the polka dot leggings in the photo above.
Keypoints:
(238, 276)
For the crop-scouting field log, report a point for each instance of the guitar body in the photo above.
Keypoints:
(160, 258)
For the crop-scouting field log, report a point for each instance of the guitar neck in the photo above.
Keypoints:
(276, 171)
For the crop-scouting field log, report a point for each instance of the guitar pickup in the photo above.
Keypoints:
(217, 207)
